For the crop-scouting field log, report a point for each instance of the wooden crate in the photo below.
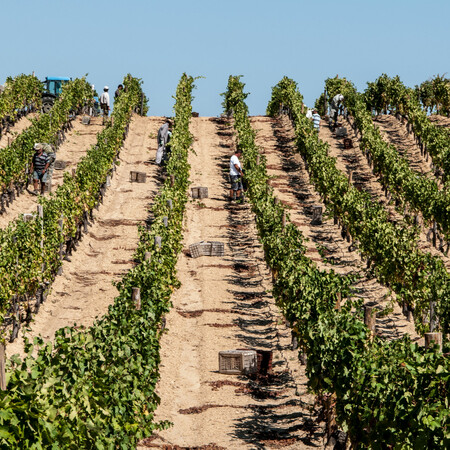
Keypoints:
(139, 177)
(348, 143)
(235, 362)
(86, 120)
(199, 192)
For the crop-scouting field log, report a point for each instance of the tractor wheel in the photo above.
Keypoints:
(47, 104)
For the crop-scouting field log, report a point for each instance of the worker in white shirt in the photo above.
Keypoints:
(104, 101)
(337, 101)
(236, 175)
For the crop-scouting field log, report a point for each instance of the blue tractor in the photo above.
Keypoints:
(52, 90)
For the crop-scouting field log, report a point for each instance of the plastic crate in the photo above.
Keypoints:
(206, 248)
(217, 248)
(341, 132)
(235, 362)
(60, 165)
(200, 249)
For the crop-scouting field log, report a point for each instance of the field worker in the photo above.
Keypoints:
(164, 135)
(49, 149)
(39, 166)
(316, 120)
(104, 101)
(235, 175)
(167, 146)
(118, 91)
(337, 101)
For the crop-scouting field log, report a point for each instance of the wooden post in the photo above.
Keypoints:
(2, 367)
(350, 177)
(147, 256)
(330, 414)
(434, 233)
(257, 160)
(108, 180)
(136, 297)
(277, 201)
(74, 172)
(433, 318)
(142, 104)
(9, 142)
(158, 241)
(61, 245)
(172, 180)
(283, 219)
(170, 203)
(325, 101)
(166, 221)
(369, 317)
(40, 211)
(338, 301)
(433, 339)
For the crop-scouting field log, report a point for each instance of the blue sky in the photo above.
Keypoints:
(260, 39)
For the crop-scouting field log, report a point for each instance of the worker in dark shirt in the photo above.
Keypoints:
(39, 167)
(118, 91)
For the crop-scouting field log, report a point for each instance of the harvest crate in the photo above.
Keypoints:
(236, 362)
(200, 249)
(217, 248)
(60, 165)
(341, 132)
(199, 192)
(139, 177)
(348, 143)
(210, 248)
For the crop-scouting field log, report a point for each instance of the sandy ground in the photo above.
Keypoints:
(21, 125)
(78, 140)
(84, 290)
(292, 186)
(225, 303)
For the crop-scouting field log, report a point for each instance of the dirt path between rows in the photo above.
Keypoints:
(84, 290)
(21, 125)
(395, 132)
(293, 187)
(78, 140)
(225, 303)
